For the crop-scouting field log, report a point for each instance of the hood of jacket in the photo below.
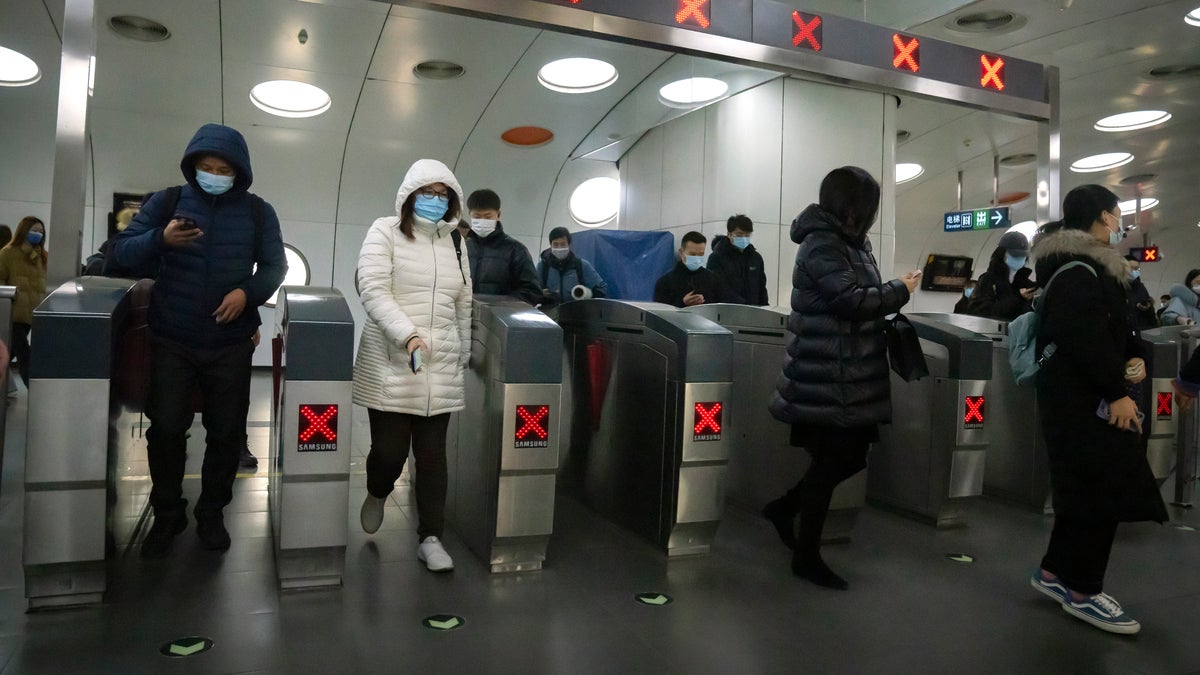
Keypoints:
(1185, 295)
(1068, 244)
(220, 141)
(426, 172)
(817, 219)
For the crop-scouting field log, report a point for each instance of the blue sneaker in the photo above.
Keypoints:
(1053, 588)
(1104, 613)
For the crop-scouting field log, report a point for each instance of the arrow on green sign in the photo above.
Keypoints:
(656, 599)
(960, 557)
(443, 622)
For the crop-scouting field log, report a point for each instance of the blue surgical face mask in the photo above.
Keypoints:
(212, 183)
(34, 238)
(1014, 262)
(968, 291)
(740, 242)
(693, 262)
(1136, 274)
(431, 207)
(1115, 238)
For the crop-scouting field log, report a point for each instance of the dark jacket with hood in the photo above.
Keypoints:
(836, 371)
(1141, 307)
(194, 279)
(996, 297)
(743, 271)
(672, 286)
(501, 265)
(1097, 471)
(560, 277)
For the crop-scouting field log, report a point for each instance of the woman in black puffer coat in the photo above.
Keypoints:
(835, 388)
(1098, 468)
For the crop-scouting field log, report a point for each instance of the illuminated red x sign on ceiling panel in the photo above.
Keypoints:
(974, 414)
(906, 53)
(1150, 254)
(692, 9)
(1164, 403)
(321, 421)
(993, 73)
(807, 31)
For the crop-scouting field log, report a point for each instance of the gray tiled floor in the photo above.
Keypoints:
(736, 611)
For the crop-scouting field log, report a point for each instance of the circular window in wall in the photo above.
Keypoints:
(298, 273)
(596, 201)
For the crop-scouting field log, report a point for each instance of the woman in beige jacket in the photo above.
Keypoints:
(23, 264)
(415, 285)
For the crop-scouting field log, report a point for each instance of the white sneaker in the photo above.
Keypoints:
(371, 514)
(434, 555)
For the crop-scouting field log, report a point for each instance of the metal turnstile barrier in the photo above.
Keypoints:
(649, 394)
(930, 459)
(1156, 401)
(309, 482)
(1186, 447)
(86, 478)
(503, 456)
(7, 295)
(762, 462)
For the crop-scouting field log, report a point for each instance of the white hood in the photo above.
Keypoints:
(426, 172)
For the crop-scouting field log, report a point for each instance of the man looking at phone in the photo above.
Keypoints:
(690, 283)
(203, 316)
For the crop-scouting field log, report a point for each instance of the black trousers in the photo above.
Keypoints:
(20, 349)
(391, 436)
(223, 377)
(1078, 553)
(831, 464)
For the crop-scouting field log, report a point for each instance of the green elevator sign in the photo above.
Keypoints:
(977, 219)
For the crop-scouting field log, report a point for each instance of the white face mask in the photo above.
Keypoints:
(483, 227)
(560, 253)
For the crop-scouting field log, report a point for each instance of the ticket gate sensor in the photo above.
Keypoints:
(1186, 420)
(308, 487)
(649, 389)
(1157, 401)
(930, 459)
(762, 462)
(504, 460)
(86, 481)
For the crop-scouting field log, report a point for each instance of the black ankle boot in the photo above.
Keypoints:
(783, 517)
(813, 568)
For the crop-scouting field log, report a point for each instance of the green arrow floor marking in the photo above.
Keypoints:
(655, 599)
(186, 646)
(960, 557)
(443, 622)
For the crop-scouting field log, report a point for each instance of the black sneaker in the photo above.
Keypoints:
(212, 533)
(157, 543)
(247, 460)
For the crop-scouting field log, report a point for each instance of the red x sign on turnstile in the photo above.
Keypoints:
(993, 73)
(906, 53)
(692, 9)
(974, 413)
(806, 30)
(533, 421)
(1164, 403)
(318, 423)
(708, 419)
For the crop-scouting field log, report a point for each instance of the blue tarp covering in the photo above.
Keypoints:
(629, 261)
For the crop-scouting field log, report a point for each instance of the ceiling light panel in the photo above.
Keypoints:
(577, 75)
(1101, 162)
(907, 171)
(16, 69)
(289, 98)
(1130, 207)
(692, 91)
(1129, 121)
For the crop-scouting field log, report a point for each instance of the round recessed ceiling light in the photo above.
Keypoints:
(1019, 159)
(1138, 119)
(1130, 207)
(527, 137)
(1193, 17)
(438, 70)
(692, 92)
(1009, 198)
(1101, 162)
(986, 22)
(596, 201)
(908, 171)
(138, 28)
(577, 75)
(1139, 179)
(16, 69)
(289, 98)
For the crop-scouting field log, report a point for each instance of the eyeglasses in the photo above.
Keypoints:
(430, 192)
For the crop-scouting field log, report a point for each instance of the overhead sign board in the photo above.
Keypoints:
(1146, 254)
(977, 219)
(777, 24)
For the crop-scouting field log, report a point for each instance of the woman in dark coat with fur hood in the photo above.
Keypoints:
(1098, 470)
(835, 388)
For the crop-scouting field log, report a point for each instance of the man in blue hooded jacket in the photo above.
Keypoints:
(203, 316)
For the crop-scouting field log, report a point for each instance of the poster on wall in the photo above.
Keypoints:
(948, 273)
(125, 207)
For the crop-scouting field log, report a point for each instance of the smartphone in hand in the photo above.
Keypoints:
(416, 361)
(186, 224)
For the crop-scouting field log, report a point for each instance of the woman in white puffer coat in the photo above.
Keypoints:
(414, 282)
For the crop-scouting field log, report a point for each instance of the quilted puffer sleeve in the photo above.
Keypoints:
(375, 269)
(462, 311)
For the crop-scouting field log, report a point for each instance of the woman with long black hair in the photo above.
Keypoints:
(1098, 470)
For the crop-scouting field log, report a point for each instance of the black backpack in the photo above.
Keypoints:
(105, 264)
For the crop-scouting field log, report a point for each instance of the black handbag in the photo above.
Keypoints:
(904, 349)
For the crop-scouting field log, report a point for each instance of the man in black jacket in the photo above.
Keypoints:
(735, 260)
(500, 265)
(689, 283)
